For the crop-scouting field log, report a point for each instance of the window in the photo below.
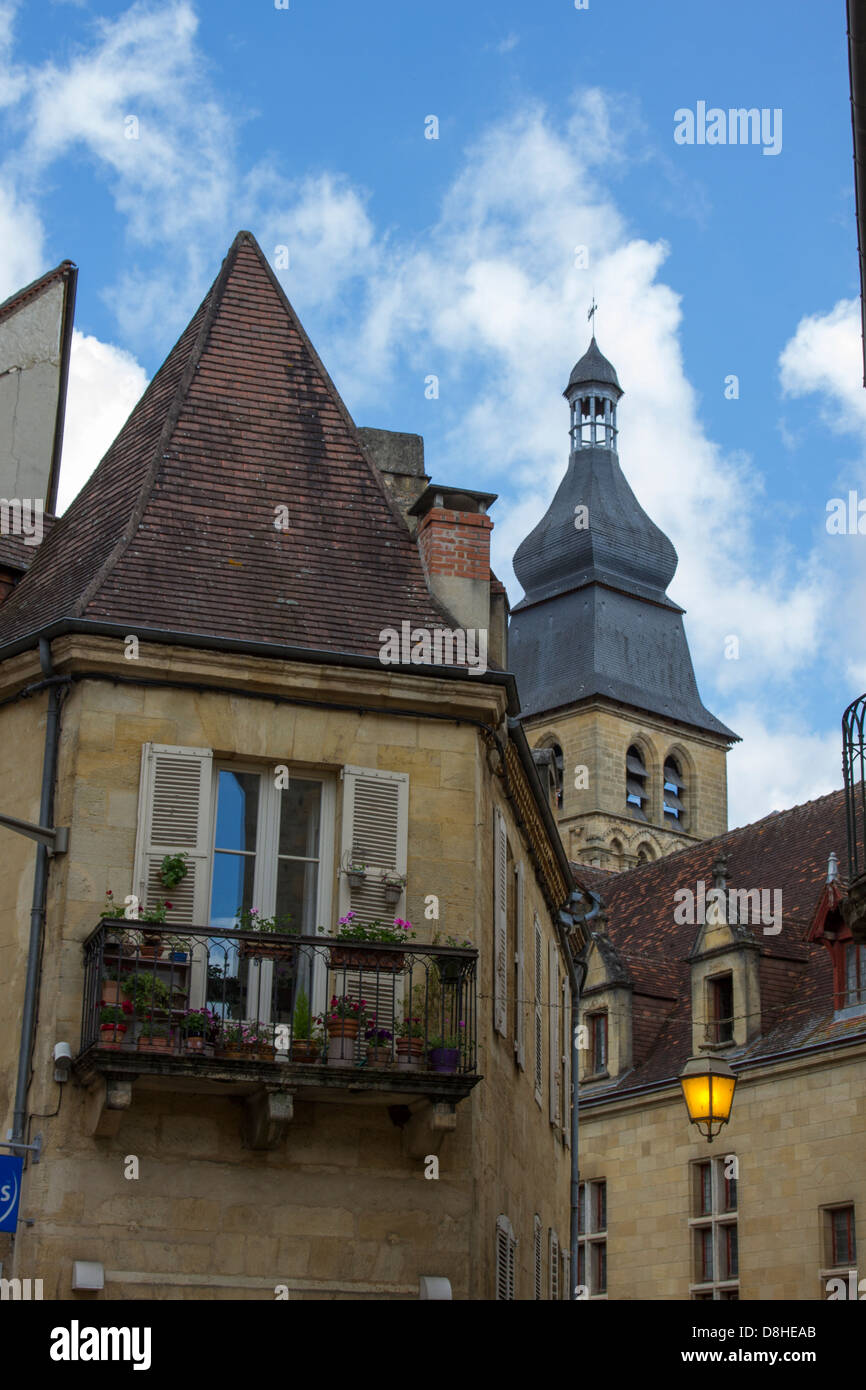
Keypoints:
(720, 1009)
(519, 970)
(536, 1257)
(713, 1229)
(500, 924)
(506, 1246)
(553, 1261)
(557, 766)
(597, 1042)
(843, 1243)
(635, 784)
(592, 1237)
(565, 1061)
(674, 793)
(855, 975)
(266, 855)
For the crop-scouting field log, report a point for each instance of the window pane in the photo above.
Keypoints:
(844, 1249)
(297, 885)
(731, 1258)
(233, 878)
(300, 814)
(581, 1199)
(237, 816)
(601, 1206)
(599, 1261)
(704, 1189)
(581, 1265)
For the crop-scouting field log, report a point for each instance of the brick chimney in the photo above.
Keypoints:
(454, 540)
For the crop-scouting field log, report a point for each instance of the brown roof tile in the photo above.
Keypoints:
(175, 529)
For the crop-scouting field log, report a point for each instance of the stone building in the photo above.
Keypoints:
(198, 669)
(777, 985)
(608, 691)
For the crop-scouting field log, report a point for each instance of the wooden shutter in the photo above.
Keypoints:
(554, 1265)
(375, 832)
(536, 1258)
(500, 924)
(505, 1251)
(565, 1035)
(174, 815)
(553, 1030)
(539, 995)
(565, 1256)
(519, 973)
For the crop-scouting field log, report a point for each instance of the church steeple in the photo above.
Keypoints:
(601, 657)
(592, 392)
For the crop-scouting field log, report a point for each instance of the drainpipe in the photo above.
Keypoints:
(577, 975)
(37, 911)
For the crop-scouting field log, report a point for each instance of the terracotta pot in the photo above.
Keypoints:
(111, 992)
(233, 1053)
(265, 1053)
(410, 1052)
(346, 957)
(252, 950)
(150, 950)
(195, 1044)
(342, 1049)
(379, 1056)
(343, 1027)
(111, 1033)
(305, 1052)
(146, 1044)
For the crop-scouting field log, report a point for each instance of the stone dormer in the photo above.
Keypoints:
(606, 1011)
(725, 963)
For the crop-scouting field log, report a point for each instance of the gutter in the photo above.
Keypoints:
(71, 282)
(37, 910)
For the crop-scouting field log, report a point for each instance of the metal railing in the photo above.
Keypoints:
(276, 997)
(854, 769)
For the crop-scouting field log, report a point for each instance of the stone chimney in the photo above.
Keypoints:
(400, 460)
(454, 540)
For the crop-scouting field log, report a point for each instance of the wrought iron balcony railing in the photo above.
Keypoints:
(310, 1001)
(854, 768)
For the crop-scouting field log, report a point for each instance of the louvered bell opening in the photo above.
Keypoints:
(673, 803)
(636, 812)
(673, 776)
(635, 788)
(635, 765)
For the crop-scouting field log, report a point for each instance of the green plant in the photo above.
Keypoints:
(451, 1042)
(396, 935)
(146, 991)
(344, 1006)
(410, 1028)
(197, 1022)
(155, 1027)
(439, 940)
(302, 1020)
(113, 1014)
(250, 919)
(173, 869)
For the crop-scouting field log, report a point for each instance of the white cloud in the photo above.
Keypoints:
(23, 239)
(104, 384)
(779, 764)
(825, 356)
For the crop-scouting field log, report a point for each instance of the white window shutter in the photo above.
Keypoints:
(565, 1292)
(375, 832)
(539, 995)
(174, 816)
(553, 1029)
(520, 973)
(506, 1246)
(554, 1265)
(500, 925)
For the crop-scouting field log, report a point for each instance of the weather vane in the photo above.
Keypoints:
(593, 310)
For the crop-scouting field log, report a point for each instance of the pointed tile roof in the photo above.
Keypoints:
(176, 527)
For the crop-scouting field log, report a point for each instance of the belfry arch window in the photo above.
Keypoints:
(674, 793)
(636, 779)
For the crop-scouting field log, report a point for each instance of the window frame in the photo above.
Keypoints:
(715, 1230)
(592, 1230)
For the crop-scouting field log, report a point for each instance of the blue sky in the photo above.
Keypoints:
(456, 257)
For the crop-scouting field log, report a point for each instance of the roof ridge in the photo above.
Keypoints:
(211, 300)
(20, 297)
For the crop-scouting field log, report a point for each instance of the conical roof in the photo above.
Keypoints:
(176, 529)
(593, 368)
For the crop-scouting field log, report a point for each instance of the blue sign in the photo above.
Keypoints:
(10, 1190)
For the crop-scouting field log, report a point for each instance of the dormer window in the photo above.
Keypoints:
(636, 784)
(674, 793)
(598, 1042)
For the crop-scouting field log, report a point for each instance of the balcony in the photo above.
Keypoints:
(271, 1018)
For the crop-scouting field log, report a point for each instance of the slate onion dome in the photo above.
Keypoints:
(592, 392)
(616, 543)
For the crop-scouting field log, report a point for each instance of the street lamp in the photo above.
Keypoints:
(708, 1090)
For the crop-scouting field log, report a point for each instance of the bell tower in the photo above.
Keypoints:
(609, 701)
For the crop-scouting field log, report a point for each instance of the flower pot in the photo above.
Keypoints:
(379, 1056)
(305, 1052)
(343, 1027)
(195, 1044)
(111, 1034)
(393, 893)
(150, 950)
(342, 1050)
(254, 950)
(111, 992)
(356, 880)
(347, 957)
(444, 1059)
(234, 1052)
(410, 1052)
(265, 1052)
(146, 1044)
